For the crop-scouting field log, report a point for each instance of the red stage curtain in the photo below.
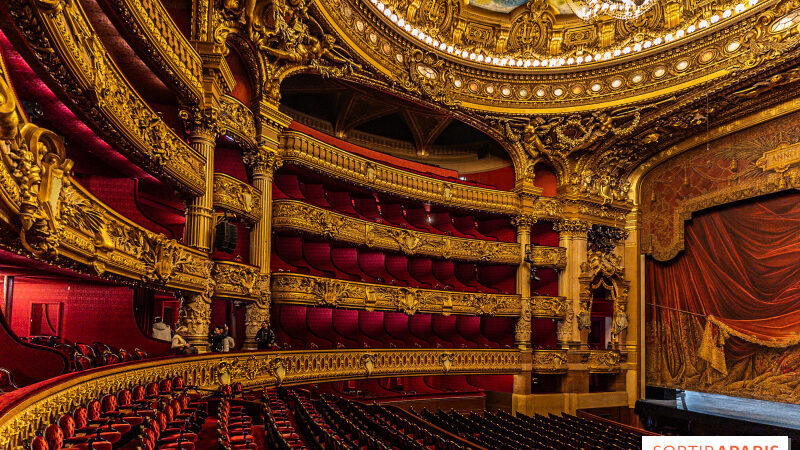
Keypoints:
(741, 270)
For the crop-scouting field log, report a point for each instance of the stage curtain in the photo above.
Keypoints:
(741, 273)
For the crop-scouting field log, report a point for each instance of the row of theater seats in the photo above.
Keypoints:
(299, 327)
(297, 254)
(502, 431)
(84, 356)
(392, 211)
(159, 415)
(278, 426)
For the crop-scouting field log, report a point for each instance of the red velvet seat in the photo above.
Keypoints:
(93, 441)
(110, 408)
(54, 438)
(102, 428)
(96, 415)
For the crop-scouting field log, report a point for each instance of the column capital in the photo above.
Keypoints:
(523, 221)
(263, 159)
(572, 227)
(202, 123)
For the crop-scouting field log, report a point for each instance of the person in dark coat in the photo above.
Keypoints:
(265, 338)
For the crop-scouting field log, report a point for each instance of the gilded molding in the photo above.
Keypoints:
(152, 28)
(238, 120)
(299, 289)
(297, 215)
(630, 78)
(604, 361)
(544, 256)
(236, 280)
(35, 407)
(57, 220)
(572, 227)
(61, 37)
(306, 151)
(547, 307)
(550, 361)
(237, 197)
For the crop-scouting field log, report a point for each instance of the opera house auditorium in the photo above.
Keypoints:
(398, 224)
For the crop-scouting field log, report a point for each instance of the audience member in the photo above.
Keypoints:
(179, 344)
(161, 331)
(265, 338)
(220, 339)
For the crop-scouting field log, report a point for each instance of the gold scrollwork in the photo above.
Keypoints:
(312, 219)
(550, 361)
(309, 290)
(238, 197)
(70, 49)
(604, 361)
(306, 151)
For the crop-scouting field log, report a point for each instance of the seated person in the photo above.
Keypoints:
(161, 331)
(179, 344)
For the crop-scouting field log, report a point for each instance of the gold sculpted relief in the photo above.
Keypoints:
(550, 361)
(309, 290)
(297, 148)
(604, 361)
(293, 214)
(238, 197)
(68, 47)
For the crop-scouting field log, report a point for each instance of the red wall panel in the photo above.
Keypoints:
(90, 312)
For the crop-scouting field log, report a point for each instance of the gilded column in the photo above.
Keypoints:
(572, 236)
(263, 161)
(203, 129)
(522, 337)
(195, 313)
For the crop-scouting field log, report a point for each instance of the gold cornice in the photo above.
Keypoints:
(300, 149)
(714, 53)
(69, 49)
(151, 26)
(297, 215)
(237, 197)
(299, 289)
(31, 408)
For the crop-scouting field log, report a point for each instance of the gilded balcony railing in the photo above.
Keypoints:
(61, 36)
(293, 214)
(288, 288)
(151, 27)
(237, 197)
(548, 307)
(30, 409)
(304, 150)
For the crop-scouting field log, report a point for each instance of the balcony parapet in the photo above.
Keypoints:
(296, 289)
(68, 48)
(306, 151)
(237, 197)
(550, 361)
(151, 27)
(297, 215)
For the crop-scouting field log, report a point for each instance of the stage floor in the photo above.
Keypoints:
(768, 413)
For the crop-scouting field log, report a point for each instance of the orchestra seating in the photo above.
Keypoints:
(502, 431)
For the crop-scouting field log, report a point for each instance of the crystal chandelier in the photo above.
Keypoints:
(591, 10)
